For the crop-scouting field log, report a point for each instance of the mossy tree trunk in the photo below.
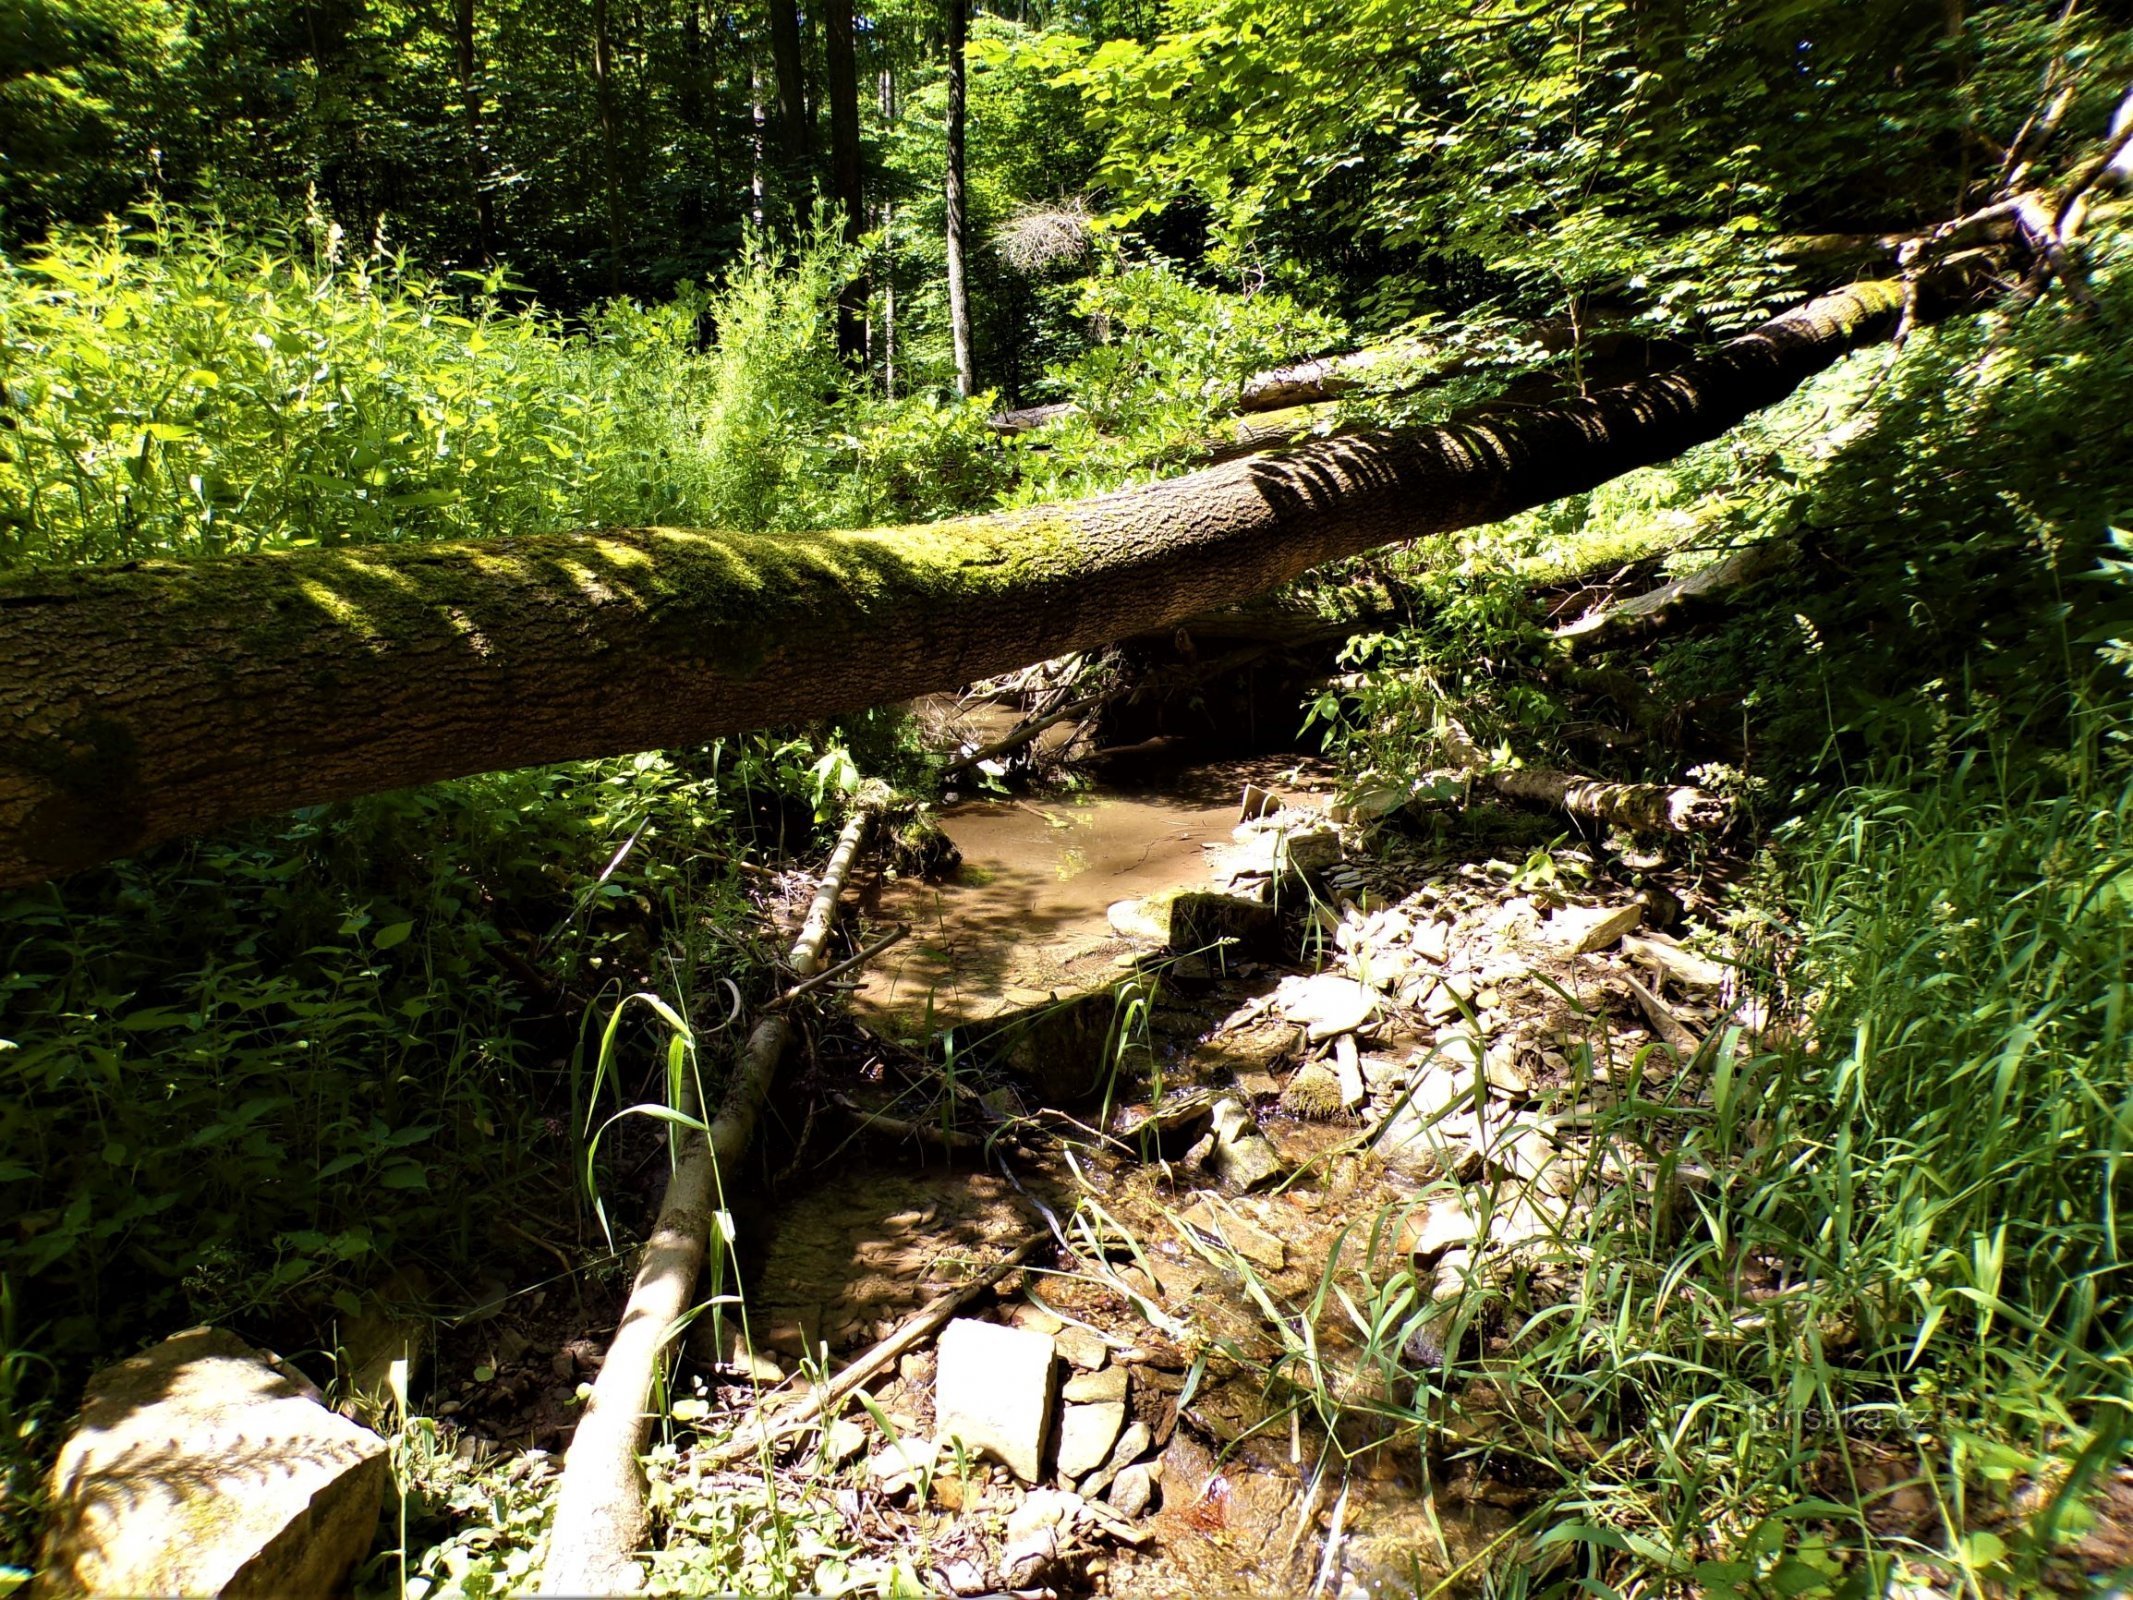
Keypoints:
(148, 701)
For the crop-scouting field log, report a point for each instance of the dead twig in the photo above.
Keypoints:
(830, 975)
(824, 1401)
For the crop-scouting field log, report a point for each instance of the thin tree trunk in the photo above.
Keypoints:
(755, 170)
(846, 180)
(601, 1514)
(958, 290)
(888, 302)
(604, 99)
(476, 157)
(158, 699)
(792, 94)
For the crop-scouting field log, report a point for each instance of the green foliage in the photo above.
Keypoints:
(1166, 368)
(1564, 151)
(177, 391)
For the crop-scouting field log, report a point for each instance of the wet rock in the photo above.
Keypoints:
(1238, 1152)
(201, 1468)
(1132, 1490)
(1326, 1004)
(993, 1391)
(1086, 1434)
(1200, 920)
(1253, 1046)
(1314, 1092)
(1061, 1048)
(1581, 930)
(1251, 1242)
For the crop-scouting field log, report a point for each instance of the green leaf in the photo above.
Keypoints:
(392, 934)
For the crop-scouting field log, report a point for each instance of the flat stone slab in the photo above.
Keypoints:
(202, 1468)
(993, 1388)
(1326, 1003)
(1086, 1434)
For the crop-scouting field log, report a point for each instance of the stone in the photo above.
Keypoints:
(1348, 1066)
(1582, 930)
(1086, 1434)
(1369, 804)
(1038, 1532)
(1238, 1153)
(1201, 920)
(1061, 1048)
(1038, 1320)
(1326, 1004)
(202, 1467)
(1131, 1446)
(1145, 920)
(393, 1324)
(1307, 851)
(1082, 1347)
(843, 1440)
(1087, 1387)
(1257, 803)
(1445, 1223)
(1669, 959)
(1253, 1243)
(1132, 1490)
(993, 1390)
(899, 1466)
(1500, 1065)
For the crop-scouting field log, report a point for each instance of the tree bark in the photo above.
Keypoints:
(470, 114)
(156, 699)
(846, 180)
(601, 1515)
(603, 68)
(958, 291)
(785, 67)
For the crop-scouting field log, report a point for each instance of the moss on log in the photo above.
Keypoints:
(143, 702)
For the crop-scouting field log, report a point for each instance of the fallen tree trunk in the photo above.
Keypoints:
(1639, 807)
(156, 699)
(601, 1516)
(1407, 364)
(1710, 589)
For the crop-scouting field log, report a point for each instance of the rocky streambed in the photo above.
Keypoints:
(1162, 1159)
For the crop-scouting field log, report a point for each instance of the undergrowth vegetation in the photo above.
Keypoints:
(1860, 1305)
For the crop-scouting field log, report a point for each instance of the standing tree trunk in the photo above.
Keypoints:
(888, 302)
(958, 288)
(156, 699)
(755, 170)
(794, 143)
(470, 101)
(846, 182)
(603, 66)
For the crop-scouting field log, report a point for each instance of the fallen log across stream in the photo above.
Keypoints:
(155, 699)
